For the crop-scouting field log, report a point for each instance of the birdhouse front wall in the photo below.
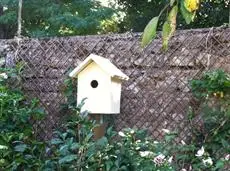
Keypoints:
(95, 85)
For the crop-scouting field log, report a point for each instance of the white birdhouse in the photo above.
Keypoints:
(100, 82)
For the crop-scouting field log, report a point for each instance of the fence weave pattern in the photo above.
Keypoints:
(157, 94)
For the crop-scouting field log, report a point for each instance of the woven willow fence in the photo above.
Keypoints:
(157, 94)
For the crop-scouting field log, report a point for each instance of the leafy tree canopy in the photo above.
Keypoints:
(53, 17)
(139, 13)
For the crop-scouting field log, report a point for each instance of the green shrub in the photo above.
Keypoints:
(19, 150)
(209, 145)
(213, 92)
(74, 147)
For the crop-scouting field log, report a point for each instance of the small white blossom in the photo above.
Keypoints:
(121, 134)
(227, 157)
(162, 156)
(182, 142)
(132, 131)
(183, 169)
(145, 153)
(5, 8)
(170, 159)
(160, 159)
(113, 156)
(166, 131)
(155, 142)
(200, 152)
(3, 147)
(4, 75)
(146, 142)
(208, 161)
(149, 0)
(137, 148)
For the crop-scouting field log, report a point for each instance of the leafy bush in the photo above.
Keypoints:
(19, 150)
(213, 91)
(208, 147)
(74, 147)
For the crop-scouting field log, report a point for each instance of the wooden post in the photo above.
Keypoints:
(99, 131)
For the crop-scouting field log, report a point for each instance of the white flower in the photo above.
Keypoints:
(170, 159)
(145, 153)
(227, 157)
(158, 160)
(137, 148)
(113, 156)
(4, 75)
(200, 152)
(132, 131)
(183, 170)
(208, 161)
(149, 0)
(155, 142)
(166, 131)
(138, 141)
(146, 142)
(121, 134)
(5, 8)
(3, 147)
(161, 156)
(182, 142)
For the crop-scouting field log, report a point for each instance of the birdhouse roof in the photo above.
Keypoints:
(103, 63)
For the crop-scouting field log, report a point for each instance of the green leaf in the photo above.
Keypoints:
(188, 16)
(102, 142)
(219, 164)
(172, 17)
(141, 134)
(169, 26)
(20, 148)
(225, 143)
(74, 146)
(166, 34)
(67, 159)
(149, 32)
(64, 150)
(108, 164)
(56, 141)
(170, 137)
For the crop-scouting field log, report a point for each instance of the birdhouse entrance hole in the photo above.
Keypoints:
(94, 83)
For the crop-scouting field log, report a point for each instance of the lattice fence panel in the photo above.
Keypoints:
(157, 95)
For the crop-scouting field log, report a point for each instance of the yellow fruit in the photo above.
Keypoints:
(191, 5)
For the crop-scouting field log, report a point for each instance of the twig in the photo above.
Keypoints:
(19, 31)
(208, 62)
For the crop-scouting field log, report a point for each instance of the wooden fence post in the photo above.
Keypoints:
(99, 131)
